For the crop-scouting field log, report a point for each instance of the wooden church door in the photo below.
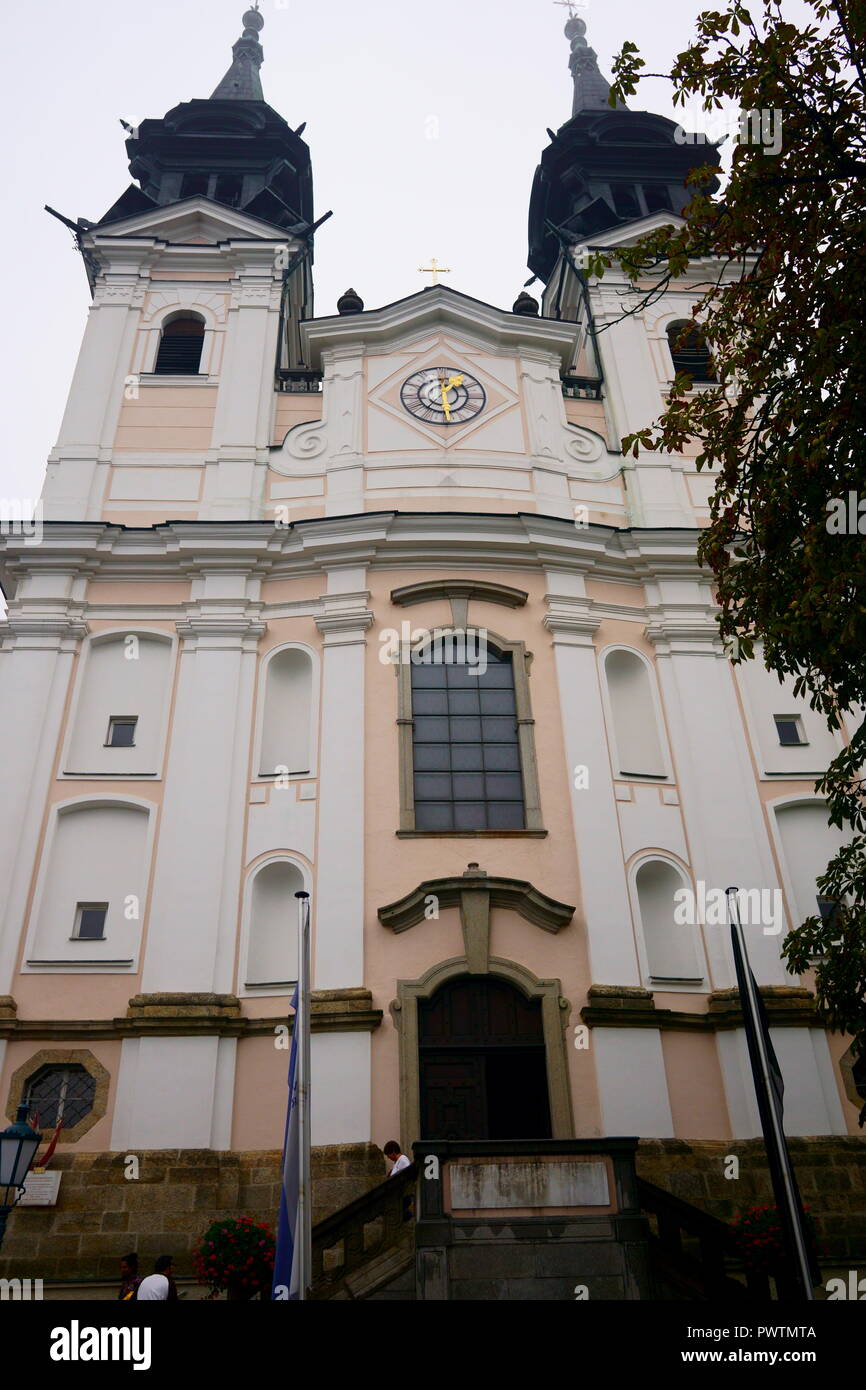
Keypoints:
(482, 1067)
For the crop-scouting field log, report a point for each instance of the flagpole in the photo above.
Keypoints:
(782, 1174)
(302, 1023)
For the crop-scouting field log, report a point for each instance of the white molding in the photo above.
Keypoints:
(277, 856)
(58, 809)
(315, 697)
(661, 729)
(101, 639)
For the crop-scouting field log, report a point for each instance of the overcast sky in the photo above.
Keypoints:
(374, 81)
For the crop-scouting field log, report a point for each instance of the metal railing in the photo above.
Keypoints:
(300, 379)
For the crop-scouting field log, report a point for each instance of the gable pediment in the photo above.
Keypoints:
(195, 220)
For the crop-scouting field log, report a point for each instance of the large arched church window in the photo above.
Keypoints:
(483, 1072)
(636, 742)
(180, 346)
(689, 351)
(465, 739)
(287, 715)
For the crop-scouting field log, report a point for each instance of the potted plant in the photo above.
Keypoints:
(235, 1255)
(759, 1237)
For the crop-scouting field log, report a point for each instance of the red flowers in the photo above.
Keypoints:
(235, 1250)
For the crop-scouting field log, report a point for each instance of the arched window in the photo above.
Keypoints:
(635, 730)
(809, 842)
(483, 1071)
(272, 944)
(180, 346)
(670, 933)
(465, 737)
(689, 351)
(287, 713)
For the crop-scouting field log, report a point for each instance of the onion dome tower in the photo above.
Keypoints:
(607, 165)
(232, 148)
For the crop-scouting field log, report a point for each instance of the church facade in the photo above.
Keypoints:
(370, 605)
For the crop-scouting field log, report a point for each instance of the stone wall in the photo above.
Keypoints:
(831, 1174)
(101, 1214)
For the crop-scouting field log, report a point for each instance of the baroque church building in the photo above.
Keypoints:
(370, 605)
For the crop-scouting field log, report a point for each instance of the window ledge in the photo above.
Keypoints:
(179, 379)
(470, 834)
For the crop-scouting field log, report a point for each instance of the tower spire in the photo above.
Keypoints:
(591, 89)
(242, 81)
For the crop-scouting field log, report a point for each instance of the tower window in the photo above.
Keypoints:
(180, 346)
(60, 1093)
(121, 731)
(689, 352)
(789, 727)
(193, 184)
(657, 197)
(228, 189)
(625, 200)
(90, 921)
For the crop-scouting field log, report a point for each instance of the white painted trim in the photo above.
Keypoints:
(243, 990)
(656, 982)
(101, 638)
(777, 803)
(661, 730)
(59, 809)
(315, 696)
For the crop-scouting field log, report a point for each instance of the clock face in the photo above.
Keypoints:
(443, 396)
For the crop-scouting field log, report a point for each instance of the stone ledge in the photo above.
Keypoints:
(193, 1015)
(620, 1006)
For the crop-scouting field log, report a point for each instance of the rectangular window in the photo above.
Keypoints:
(121, 731)
(789, 727)
(90, 921)
(467, 773)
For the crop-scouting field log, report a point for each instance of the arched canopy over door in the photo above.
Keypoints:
(482, 1060)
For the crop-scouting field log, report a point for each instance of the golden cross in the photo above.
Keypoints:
(434, 269)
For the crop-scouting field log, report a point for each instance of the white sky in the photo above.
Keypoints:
(367, 78)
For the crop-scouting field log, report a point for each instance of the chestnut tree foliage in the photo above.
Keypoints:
(784, 428)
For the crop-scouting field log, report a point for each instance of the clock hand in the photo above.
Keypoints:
(445, 406)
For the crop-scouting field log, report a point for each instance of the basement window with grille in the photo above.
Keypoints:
(55, 1093)
(180, 346)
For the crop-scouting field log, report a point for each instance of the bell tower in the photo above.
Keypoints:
(607, 166)
(200, 273)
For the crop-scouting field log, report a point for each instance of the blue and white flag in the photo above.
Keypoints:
(286, 1266)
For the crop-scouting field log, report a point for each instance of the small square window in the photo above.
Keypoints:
(90, 921)
(789, 727)
(121, 731)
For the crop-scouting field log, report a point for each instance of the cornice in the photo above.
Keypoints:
(518, 894)
(619, 1006)
(194, 1015)
(445, 541)
(482, 592)
(440, 307)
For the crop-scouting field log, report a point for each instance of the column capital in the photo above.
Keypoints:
(571, 620)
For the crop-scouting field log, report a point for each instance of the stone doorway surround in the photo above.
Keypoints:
(474, 892)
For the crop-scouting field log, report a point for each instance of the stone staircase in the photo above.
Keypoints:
(413, 1236)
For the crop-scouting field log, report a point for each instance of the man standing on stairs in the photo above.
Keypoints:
(395, 1156)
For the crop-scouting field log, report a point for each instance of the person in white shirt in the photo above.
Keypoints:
(158, 1287)
(396, 1157)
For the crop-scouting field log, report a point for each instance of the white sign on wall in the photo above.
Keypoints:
(40, 1190)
